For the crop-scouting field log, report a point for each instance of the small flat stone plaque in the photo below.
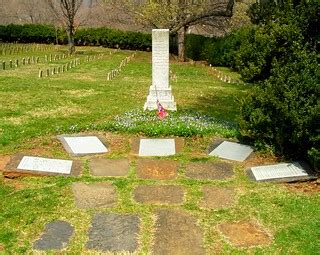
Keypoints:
(232, 151)
(278, 171)
(45, 165)
(157, 147)
(83, 145)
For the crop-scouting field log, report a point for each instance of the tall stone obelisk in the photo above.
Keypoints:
(160, 88)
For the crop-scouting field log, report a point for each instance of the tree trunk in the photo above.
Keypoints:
(181, 44)
(70, 34)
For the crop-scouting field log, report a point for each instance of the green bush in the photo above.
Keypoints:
(283, 112)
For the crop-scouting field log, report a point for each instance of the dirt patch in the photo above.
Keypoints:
(164, 194)
(1, 247)
(109, 167)
(4, 160)
(177, 233)
(157, 169)
(217, 198)
(309, 187)
(209, 170)
(244, 234)
(256, 160)
(95, 195)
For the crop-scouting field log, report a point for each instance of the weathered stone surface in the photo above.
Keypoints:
(209, 170)
(56, 236)
(109, 167)
(244, 233)
(177, 233)
(157, 169)
(157, 147)
(135, 144)
(83, 145)
(94, 195)
(160, 194)
(232, 151)
(217, 198)
(114, 233)
(11, 169)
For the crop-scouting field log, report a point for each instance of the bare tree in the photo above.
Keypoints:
(177, 15)
(66, 12)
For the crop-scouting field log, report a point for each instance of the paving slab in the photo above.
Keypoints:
(283, 172)
(24, 165)
(114, 233)
(56, 236)
(159, 194)
(177, 233)
(156, 147)
(244, 234)
(109, 167)
(232, 151)
(209, 170)
(83, 145)
(217, 197)
(157, 169)
(94, 195)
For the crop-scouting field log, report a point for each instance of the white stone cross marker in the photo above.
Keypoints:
(160, 88)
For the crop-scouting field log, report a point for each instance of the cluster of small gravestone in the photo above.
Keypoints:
(16, 62)
(114, 72)
(223, 77)
(107, 228)
(66, 67)
(13, 48)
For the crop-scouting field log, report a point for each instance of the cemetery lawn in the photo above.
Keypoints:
(33, 111)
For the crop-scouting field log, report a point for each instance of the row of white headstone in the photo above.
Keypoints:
(114, 72)
(24, 61)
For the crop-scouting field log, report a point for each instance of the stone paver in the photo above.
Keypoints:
(56, 236)
(114, 233)
(232, 151)
(95, 195)
(209, 170)
(157, 169)
(177, 233)
(159, 194)
(17, 167)
(109, 167)
(157, 147)
(244, 234)
(217, 198)
(82, 145)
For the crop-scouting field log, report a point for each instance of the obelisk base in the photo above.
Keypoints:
(164, 95)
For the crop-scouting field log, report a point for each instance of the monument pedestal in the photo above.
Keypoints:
(164, 95)
(160, 88)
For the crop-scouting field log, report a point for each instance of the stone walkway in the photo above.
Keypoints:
(174, 228)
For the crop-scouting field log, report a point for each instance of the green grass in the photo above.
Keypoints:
(33, 111)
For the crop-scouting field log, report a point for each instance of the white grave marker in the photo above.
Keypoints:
(278, 171)
(58, 166)
(157, 147)
(85, 145)
(232, 151)
(160, 88)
